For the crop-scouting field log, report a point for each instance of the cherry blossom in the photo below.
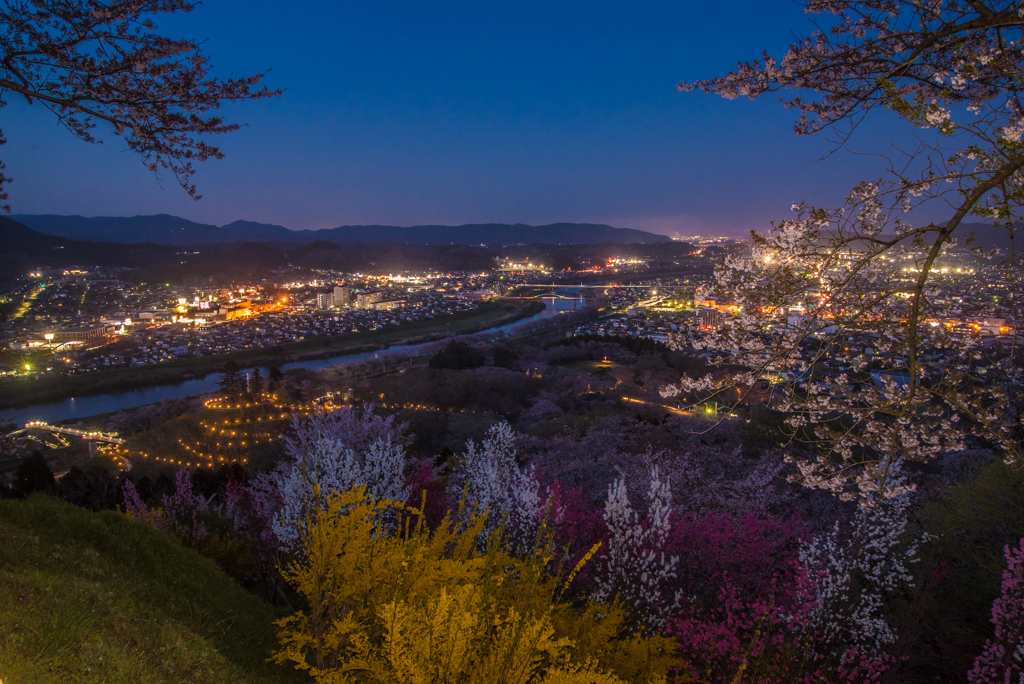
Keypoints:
(90, 62)
(951, 70)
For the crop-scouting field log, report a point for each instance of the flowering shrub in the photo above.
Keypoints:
(427, 491)
(760, 641)
(307, 482)
(350, 427)
(735, 641)
(179, 515)
(433, 606)
(332, 452)
(847, 577)
(252, 509)
(824, 618)
(490, 478)
(705, 473)
(634, 567)
(752, 552)
(1002, 661)
(576, 529)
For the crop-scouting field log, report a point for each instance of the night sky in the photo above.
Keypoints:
(407, 113)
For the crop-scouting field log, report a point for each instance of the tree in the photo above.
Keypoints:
(93, 60)
(274, 378)
(256, 383)
(490, 479)
(8, 444)
(504, 357)
(93, 488)
(231, 380)
(951, 70)
(635, 567)
(458, 356)
(333, 451)
(33, 475)
(252, 507)
(180, 515)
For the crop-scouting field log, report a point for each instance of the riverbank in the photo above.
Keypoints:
(20, 392)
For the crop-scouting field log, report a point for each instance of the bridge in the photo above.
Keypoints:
(88, 435)
(602, 286)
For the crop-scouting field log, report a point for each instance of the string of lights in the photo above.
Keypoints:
(231, 438)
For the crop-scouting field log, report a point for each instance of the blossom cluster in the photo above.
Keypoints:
(490, 479)
(950, 67)
(1002, 661)
(180, 513)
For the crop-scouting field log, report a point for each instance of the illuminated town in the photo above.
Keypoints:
(81, 321)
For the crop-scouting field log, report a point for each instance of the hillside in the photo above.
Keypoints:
(160, 228)
(986, 236)
(172, 230)
(94, 597)
(23, 249)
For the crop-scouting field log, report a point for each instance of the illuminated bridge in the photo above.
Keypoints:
(88, 435)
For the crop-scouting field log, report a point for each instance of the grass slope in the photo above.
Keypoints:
(94, 597)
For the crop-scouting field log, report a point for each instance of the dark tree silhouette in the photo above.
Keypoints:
(504, 357)
(7, 443)
(458, 356)
(88, 61)
(231, 380)
(274, 377)
(256, 383)
(33, 475)
(93, 488)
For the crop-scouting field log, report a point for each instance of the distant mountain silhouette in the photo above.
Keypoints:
(988, 236)
(159, 229)
(23, 250)
(172, 230)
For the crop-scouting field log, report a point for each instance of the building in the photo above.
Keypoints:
(153, 315)
(387, 305)
(325, 300)
(236, 310)
(365, 299)
(205, 317)
(92, 335)
(342, 296)
(708, 319)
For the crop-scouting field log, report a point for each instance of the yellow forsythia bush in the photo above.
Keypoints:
(390, 600)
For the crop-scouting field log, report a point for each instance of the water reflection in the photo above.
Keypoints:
(83, 407)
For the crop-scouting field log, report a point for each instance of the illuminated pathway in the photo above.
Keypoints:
(237, 426)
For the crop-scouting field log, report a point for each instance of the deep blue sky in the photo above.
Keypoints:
(455, 112)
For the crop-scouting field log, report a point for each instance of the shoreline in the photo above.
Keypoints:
(26, 392)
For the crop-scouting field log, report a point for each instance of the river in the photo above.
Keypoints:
(83, 407)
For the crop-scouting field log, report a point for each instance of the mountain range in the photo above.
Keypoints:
(164, 229)
(987, 236)
(23, 249)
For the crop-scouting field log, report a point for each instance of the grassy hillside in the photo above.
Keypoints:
(94, 597)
